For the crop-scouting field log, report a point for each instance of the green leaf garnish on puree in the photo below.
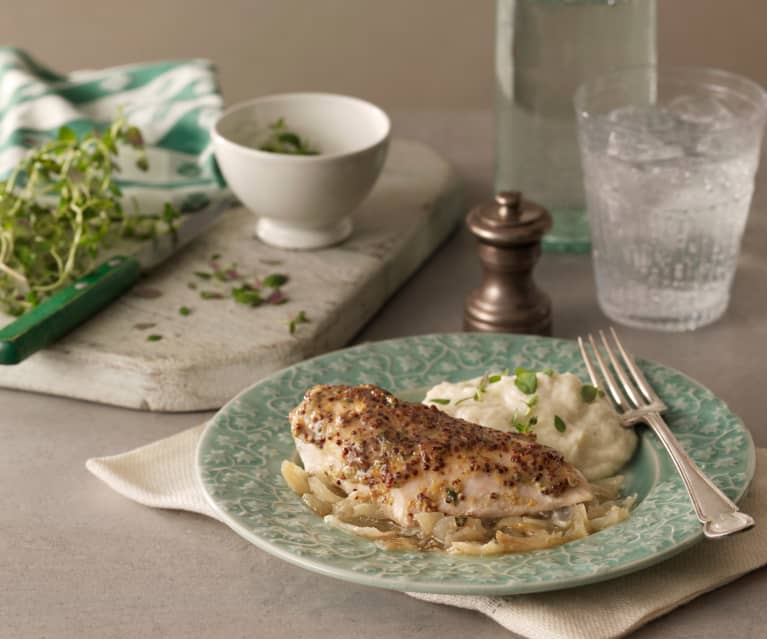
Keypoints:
(444, 402)
(525, 380)
(589, 393)
(153, 338)
(559, 424)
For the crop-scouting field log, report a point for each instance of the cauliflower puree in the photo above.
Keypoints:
(561, 411)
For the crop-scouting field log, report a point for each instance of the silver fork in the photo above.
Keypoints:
(635, 401)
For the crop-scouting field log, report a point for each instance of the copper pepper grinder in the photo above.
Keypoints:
(509, 231)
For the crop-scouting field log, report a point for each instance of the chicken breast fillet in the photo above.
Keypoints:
(410, 458)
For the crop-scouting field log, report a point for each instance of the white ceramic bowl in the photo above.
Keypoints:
(303, 201)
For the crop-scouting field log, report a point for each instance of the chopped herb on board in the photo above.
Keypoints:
(275, 280)
(300, 318)
(247, 295)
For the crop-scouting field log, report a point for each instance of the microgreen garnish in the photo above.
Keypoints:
(493, 379)
(275, 280)
(153, 338)
(211, 295)
(589, 393)
(300, 318)
(184, 310)
(465, 399)
(444, 402)
(559, 424)
(247, 295)
(532, 401)
(60, 207)
(451, 496)
(548, 371)
(523, 428)
(142, 326)
(283, 140)
(525, 380)
(481, 387)
(533, 420)
(203, 275)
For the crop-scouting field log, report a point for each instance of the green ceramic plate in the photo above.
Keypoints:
(240, 453)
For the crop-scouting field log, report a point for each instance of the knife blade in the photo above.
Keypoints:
(74, 304)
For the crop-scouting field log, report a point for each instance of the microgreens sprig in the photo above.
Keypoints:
(61, 206)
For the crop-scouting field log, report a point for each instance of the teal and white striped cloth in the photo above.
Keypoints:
(173, 103)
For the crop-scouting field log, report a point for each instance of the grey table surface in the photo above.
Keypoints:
(77, 560)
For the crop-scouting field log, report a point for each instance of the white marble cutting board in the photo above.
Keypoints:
(207, 357)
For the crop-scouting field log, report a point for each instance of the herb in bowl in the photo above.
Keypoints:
(282, 140)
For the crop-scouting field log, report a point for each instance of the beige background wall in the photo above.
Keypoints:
(400, 53)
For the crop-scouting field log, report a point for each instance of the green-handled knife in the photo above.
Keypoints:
(71, 306)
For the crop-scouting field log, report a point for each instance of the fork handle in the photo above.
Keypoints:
(718, 514)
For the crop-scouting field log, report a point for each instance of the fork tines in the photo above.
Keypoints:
(633, 391)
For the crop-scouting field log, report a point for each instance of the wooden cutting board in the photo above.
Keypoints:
(221, 347)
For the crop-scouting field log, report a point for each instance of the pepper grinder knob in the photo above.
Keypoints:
(509, 231)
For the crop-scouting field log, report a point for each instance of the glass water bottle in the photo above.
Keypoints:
(544, 50)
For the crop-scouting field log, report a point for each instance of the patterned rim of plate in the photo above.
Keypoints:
(240, 452)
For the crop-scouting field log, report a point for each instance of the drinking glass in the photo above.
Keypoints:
(668, 183)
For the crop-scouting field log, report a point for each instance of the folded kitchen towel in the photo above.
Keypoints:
(173, 103)
(163, 475)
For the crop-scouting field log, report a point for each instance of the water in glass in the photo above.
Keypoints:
(668, 189)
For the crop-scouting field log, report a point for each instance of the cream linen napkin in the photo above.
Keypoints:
(163, 475)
